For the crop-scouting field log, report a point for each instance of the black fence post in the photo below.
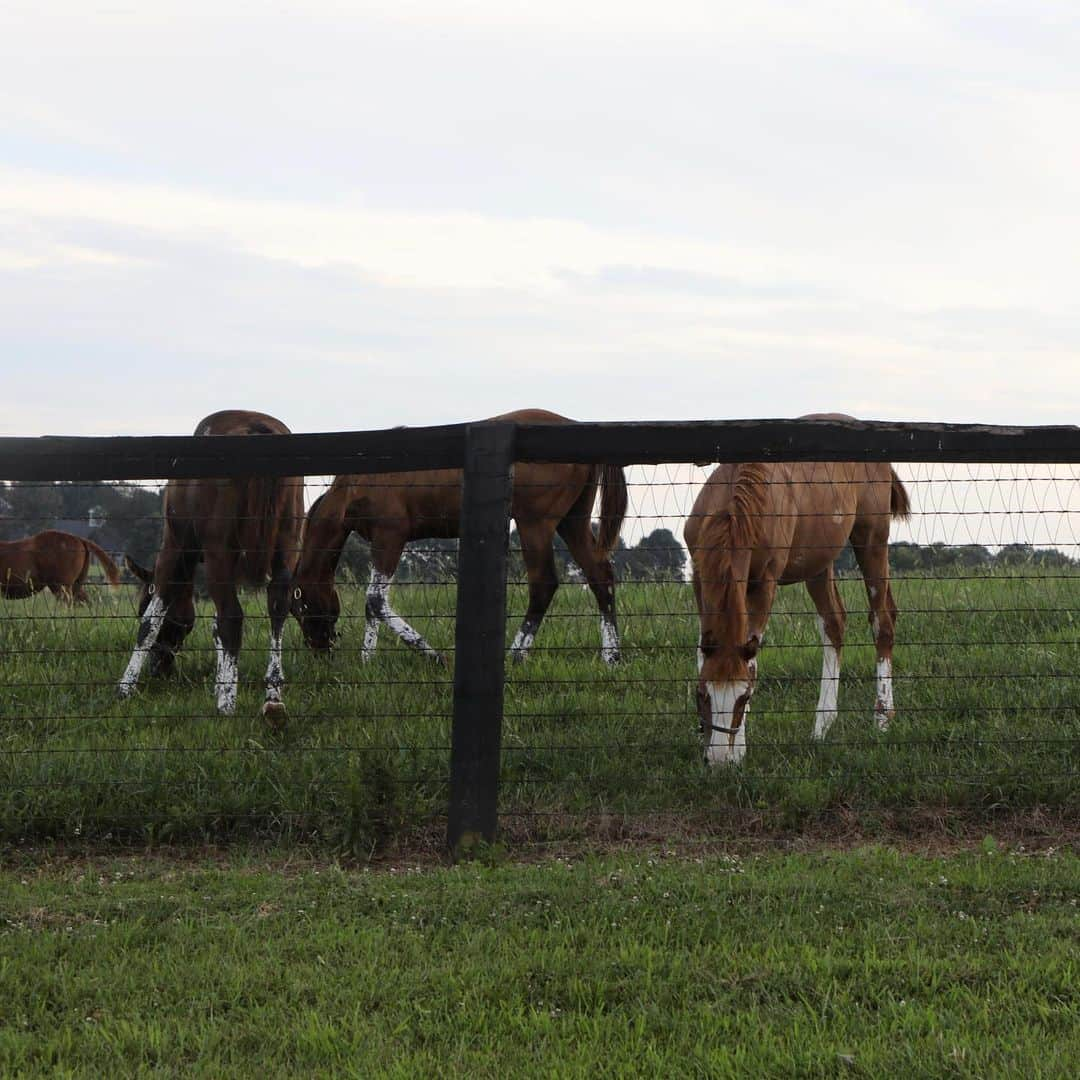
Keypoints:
(480, 641)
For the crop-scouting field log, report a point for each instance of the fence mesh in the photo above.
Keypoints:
(986, 576)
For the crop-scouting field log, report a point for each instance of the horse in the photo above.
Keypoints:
(51, 560)
(388, 510)
(247, 532)
(755, 526)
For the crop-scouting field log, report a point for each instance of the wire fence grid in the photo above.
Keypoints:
(985, 574)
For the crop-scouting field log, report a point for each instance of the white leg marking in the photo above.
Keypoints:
(830, 685)
(378, 599)
(884, 708)
(227, 678)
(700, 657)
(275, 674)
(149, 628)
(523, 641)
(609, 640)
(371, 638)
(724, 749)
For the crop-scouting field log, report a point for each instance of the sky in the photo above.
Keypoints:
(360, 215)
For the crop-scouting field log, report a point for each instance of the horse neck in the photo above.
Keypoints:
(727, 546)
(725, 625)
(324, 539)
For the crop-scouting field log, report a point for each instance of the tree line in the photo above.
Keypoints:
(126, 518)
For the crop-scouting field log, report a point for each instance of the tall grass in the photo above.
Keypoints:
(987, 681)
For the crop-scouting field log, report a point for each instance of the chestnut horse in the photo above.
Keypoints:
(247, 531)
(756, 526)
(51, 560)
(388, 510)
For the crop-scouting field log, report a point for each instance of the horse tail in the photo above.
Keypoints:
(899, 500)
(613, 504)
(112, 571)
(257, 524)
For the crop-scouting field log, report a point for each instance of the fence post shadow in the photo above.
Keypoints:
(480, 636)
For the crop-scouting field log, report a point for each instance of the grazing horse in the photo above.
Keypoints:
(247, 531)
(388, 510)
(756, 526)
(51, 560)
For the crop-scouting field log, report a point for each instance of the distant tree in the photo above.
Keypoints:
(354, 566)
(432, 561)
(656, 557)
(130, 512)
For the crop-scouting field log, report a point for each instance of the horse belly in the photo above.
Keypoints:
(16, 590)
(817, 546)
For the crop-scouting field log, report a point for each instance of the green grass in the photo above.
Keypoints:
(867, 963)
(988, 674)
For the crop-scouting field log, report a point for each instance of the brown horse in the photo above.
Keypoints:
(757, 526)
(247, 531)
(389, 510)
(51, 560)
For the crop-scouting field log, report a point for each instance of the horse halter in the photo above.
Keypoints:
(708, 727)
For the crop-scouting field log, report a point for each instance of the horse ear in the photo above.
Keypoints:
(750, 649)
(144, 575)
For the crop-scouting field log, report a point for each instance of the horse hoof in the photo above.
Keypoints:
(275, 715)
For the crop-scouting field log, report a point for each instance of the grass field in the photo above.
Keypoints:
(988, 693)
(867, 963)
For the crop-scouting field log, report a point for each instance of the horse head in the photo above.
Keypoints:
(727, 675)
(316, 606)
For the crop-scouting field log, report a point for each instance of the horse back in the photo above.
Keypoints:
(253, 517)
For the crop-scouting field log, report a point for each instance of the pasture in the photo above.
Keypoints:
(987, 674)
(865, 963)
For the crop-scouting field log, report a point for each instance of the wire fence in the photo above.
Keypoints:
(600, 703)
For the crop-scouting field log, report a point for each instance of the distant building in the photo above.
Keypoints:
(96, 529)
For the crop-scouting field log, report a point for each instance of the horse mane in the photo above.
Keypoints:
(725, 542)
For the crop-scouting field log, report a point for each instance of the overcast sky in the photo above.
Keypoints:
(359, 215)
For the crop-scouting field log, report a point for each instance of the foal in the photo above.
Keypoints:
(51, 560)
(757, 526)
(388, 510)
(246, 531)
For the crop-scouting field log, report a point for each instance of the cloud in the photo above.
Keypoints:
(419, 212)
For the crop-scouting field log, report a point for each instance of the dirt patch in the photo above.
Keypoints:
(539, 838)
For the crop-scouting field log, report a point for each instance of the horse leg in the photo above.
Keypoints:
(153, 618)
(277, 603)
(228, 628)
(873, 560)
(832, 621)
(539, 557)
(63, 593)
(179, 616)
(385, 555)
(600, 574)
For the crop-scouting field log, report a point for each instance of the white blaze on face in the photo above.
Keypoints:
(830, 685)
(884, 708)
(227, 678)
(149, 628)
(722, 748)
(609, 640)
